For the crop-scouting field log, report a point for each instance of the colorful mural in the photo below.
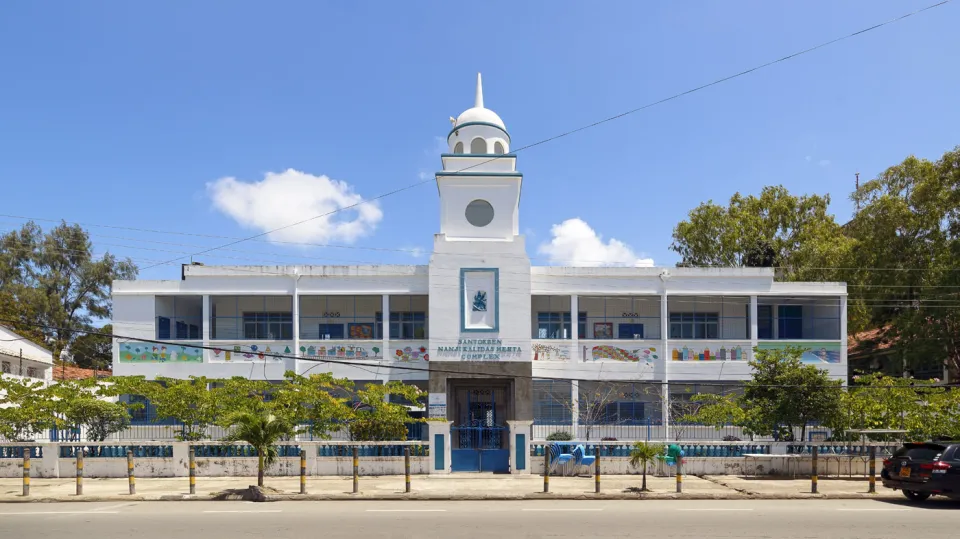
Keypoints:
(646, 354)
(551, 352)
(251, 352)
(411, 353)
(710, 352)
(340, 351)
(142, 352)
(815, 352)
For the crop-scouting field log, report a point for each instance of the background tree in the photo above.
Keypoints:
(794, 233)
(190, 402)
(375, 418)
(642, 454)
(907, 251)
(51, 285)
(93, 350)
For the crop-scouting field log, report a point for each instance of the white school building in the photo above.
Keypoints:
(499, 344)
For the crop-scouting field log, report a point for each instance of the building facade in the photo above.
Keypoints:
(20, 358)
(496, 342)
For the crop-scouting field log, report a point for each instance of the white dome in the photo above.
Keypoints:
(479, 113)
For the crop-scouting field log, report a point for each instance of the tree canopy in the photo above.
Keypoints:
(52, 286)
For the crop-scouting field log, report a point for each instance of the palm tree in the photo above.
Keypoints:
(641, 454)
(262, 431)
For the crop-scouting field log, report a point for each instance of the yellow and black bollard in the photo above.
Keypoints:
(79, 471)
(406, 468)
(873, 470)
(303, 472)
(193, 470)
(130, 478)
(679, 475)
(546, 468)
(26, 470)
(596, 471)
(356, 471)
(813, 471)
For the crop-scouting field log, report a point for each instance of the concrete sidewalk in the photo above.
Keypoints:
(446, 487)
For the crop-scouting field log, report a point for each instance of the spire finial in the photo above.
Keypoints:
(479, 101)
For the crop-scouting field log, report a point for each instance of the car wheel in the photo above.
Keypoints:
(916, 496)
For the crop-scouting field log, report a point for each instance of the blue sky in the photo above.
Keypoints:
(127, 114)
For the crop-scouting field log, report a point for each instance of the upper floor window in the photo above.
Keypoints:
(764, 321)
(694, 326)
(498, 148)
(458, 147)
(267, 325)
(405, 325)
(789, 321)
(478, 146)
(556, 325)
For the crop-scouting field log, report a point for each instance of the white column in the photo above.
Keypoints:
(843, 336)
(665, 385)
(293, 364)
(385, 323)
(575, 408)
(753, 324)
(205, 323)
(574, 319)
(441, 429)
(520, 453)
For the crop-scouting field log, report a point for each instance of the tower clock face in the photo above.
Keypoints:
(479, 213)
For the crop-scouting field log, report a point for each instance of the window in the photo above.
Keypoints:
(498, 148)
(267, 326)
(185, 330)
(479, 213)
(624, 413)
(32, 372)
(557, 325)
(5, 367)
(790, 321)
(694, 326)
(458, 147)
(764, 321)
(331, 331)
(405, 325)
(163, 327)
(630, 331)
(478, 146)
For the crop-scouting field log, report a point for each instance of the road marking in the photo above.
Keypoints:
(718, 509)
(107, 508)
(60, 513)
(885, 509)
(563, 510)
(406, 510)
(246, 511)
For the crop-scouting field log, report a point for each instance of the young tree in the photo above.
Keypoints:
(319, 400)
(26, 408)
(262, 431)
(641, 455)
(190, 402)
(375, 418)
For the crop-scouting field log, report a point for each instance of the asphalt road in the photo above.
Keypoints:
(555, 519)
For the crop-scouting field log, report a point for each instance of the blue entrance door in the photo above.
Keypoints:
(479, 438)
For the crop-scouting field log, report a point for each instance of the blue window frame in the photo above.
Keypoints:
(405, 324)
(790, 321)
(694, 326)
(186, 331)
(764, 321)
(331, 331)
(556, 325)
(624, 413)
(630, 331)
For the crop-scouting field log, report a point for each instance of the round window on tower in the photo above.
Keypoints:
(479, 213)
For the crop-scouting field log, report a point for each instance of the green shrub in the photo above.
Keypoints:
(560, 436)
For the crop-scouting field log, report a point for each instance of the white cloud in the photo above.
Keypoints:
(575, 243)
(291, 196)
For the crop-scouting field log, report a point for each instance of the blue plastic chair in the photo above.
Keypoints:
(559, 459)
(582, 459)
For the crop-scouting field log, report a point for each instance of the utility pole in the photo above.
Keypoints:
(21, 362)
(857, 188)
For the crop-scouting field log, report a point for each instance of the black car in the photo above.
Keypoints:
(922, 470)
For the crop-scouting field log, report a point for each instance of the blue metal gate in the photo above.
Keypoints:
(479, 439)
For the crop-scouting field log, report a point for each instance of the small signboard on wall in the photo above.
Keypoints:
(437, 406)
